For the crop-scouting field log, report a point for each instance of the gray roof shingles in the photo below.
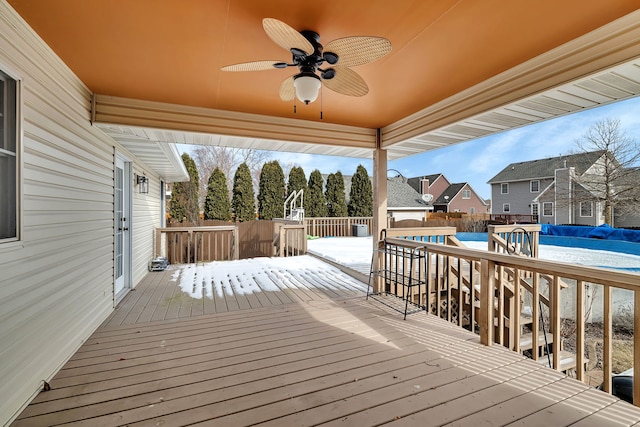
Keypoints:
(544, 168)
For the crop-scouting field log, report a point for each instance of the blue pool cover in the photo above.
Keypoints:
(603, 232)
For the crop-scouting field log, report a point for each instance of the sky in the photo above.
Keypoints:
(480, 160)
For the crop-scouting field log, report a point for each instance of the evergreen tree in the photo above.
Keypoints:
(361, 194)
(217, 205)
(336, 202)
(184, 195)
(297, 182)
(271, 191)
(315, 204)
(243, 203)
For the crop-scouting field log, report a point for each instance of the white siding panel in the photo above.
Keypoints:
(146, 218)
(56, 284)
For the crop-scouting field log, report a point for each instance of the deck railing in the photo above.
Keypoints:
(514, 239)
(335, 227)
(183, 245)
(289, 238)
(484, 291)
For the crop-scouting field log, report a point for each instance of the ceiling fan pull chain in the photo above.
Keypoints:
(320, 102)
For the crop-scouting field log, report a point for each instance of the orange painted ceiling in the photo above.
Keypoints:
(172, 50)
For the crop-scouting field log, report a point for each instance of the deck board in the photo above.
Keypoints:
(313, 352)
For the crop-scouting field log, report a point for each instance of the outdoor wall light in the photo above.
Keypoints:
(143, 184)
(307, 86)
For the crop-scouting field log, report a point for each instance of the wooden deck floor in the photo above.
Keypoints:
(315, 357)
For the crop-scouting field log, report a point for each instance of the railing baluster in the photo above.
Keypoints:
(607, 334)
(580, 330)
(555, 320)
(500, 307)
(516, 311)
(636, 348)
(535, 316)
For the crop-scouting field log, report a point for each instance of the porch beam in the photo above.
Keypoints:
(197, 124)
(607, 46)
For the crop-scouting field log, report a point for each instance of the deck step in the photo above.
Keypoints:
(567, 360)
(526, 340)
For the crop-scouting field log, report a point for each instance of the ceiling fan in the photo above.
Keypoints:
(310, 57)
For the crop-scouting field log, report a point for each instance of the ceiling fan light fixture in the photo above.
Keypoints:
(307, 87)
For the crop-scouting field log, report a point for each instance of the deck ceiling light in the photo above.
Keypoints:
(307, 86)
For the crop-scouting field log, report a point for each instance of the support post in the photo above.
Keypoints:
(487, 296)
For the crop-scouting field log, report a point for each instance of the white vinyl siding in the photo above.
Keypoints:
(146, 217)
(56, 285)
(534, 186)
(506, 208)
(504, 188)
(9, 159)
(547, 209)
(586, 209)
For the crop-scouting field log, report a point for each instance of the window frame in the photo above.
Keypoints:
(503, 186)
(544, 209)
(6, 73)
(506, 208)
(468, 194)
(537, 190)
(536, 207)
(590, 204)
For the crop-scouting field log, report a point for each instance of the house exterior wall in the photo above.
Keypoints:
(438, 187)
(519, 198)
(56, 282)
(399, 215)
(459, 204)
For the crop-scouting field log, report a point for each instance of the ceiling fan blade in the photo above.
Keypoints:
(252, 66)
(285, 36)
(347, 82)
(357, 50)
(287, 89)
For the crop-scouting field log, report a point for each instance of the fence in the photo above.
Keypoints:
(483, 292)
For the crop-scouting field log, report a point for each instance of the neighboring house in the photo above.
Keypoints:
(78, 211)
(554, 189)
(434, 185)
(404, 202)
(448, 197)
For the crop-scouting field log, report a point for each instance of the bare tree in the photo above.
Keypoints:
(208, 157)
(613, 179)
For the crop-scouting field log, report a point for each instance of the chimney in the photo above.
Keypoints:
(424, 186)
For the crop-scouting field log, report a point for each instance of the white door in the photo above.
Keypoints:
(122, 217)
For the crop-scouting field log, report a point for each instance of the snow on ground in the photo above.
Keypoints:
(355, 252)
(262, 274)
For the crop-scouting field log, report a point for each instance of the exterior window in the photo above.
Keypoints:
(504, 188)
(466, 194)
(8, 159)
(506, 207)
(535, 186)
(535, 209)
(547, 209)
(472, 210)
(586, 209)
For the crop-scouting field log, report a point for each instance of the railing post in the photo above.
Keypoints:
(158, 242)
(236, 243)
(487, 296)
